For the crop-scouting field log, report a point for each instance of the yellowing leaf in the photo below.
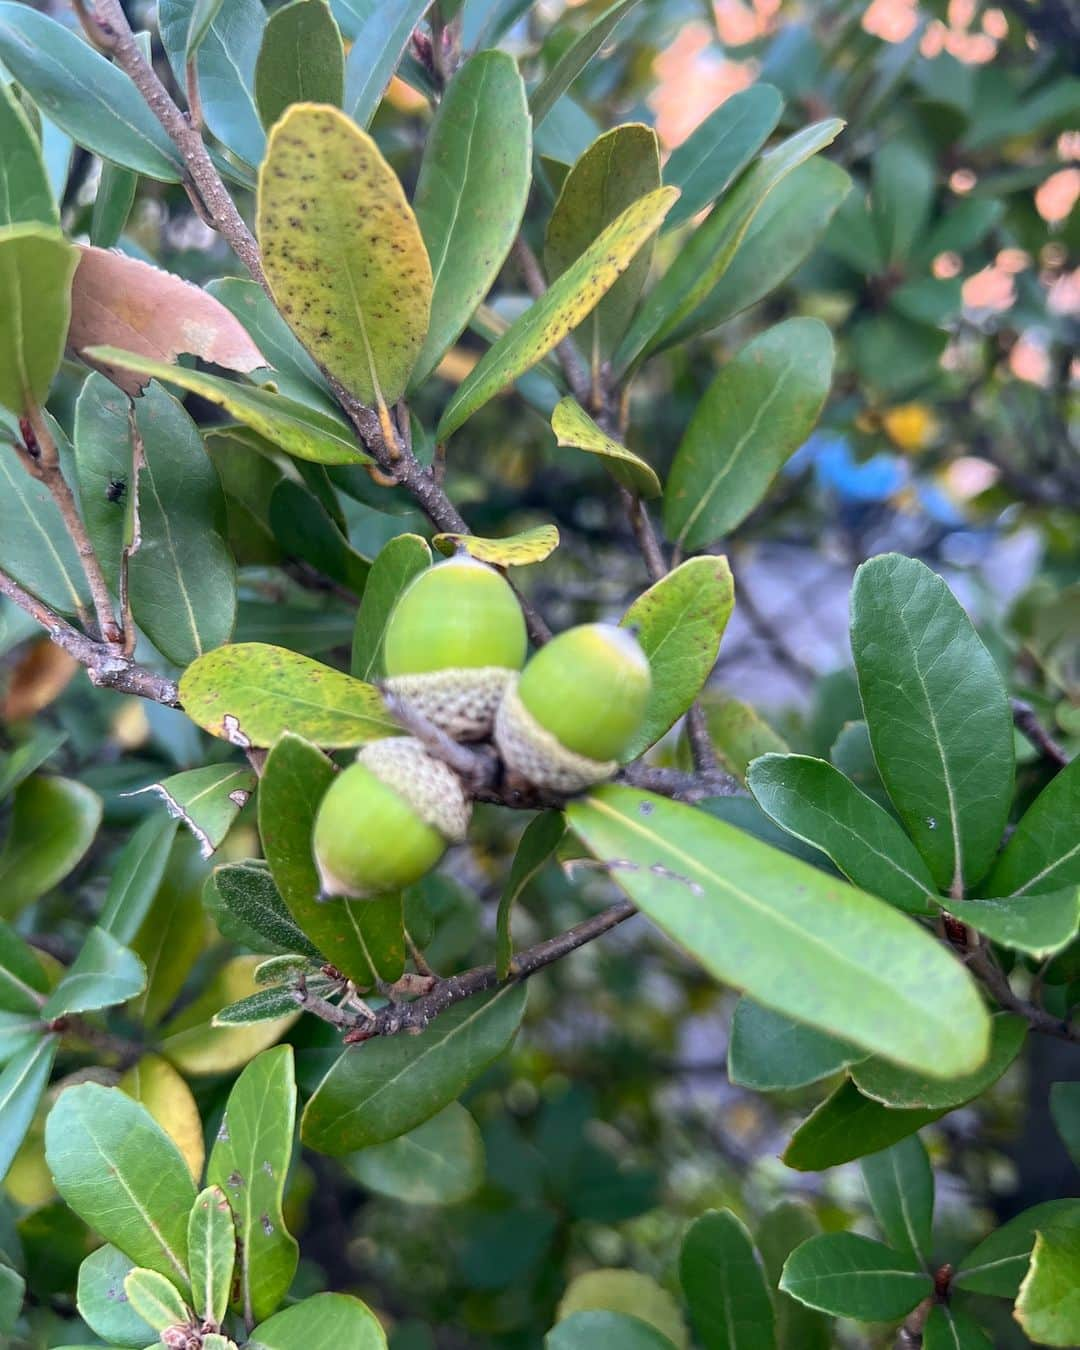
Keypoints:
(343, 252)
(573, 427)
(156, 1084)
(192, 1042)
(516, 550)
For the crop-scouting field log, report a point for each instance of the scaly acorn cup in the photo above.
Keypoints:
(454, 640)
(577, 706)
(386, 820)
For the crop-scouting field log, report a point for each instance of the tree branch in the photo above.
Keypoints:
(1029, 726)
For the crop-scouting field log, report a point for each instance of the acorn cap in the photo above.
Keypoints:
(430, 787)
(533, 752)
(461, 702)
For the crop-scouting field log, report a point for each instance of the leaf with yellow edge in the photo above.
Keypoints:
(298, 428)
(342, 251)
(155, 1083)
(193, 1044)
(516, 550)
(561, 308)
(574, 428)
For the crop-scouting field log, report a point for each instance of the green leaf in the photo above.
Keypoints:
(568, 301)
(305, 530)
(573, 427)
(249, 693)
(848, 1125)
(720, 147)
(18, 1032)
(323, 1322)
(770, 1053)
(268, 1005)
(112, 204)
(195, 1043)
(1044, 852)
(782, 1229)
(395, 566)
(203, 14)
(247, 908)
(1038, 925)
(103, 456)
(123, 1175)
(103, 974)
(36, 268)
(541, 838)
(249, 1162)
(900, 1184)
(709, 250)
(172, 933)
(938, 716)
(471, 193)
(301, 60)
(999, 1263)
(679, 621)
(135, 876)
(379, 31)
(753, 417)
(25, 1078)
(154, 1299)
(513, 550)
(605, 1331)
(853, 1276)
(225, 65)
(154, 1083)
(949, 1327)
(441, 1162)
(782, 235)
(25, 194)
(574, 59)
(722, 1282)
(23, 982)
(343, 214)
(103, 1302)
(628, 1292)
(618, 169)
(1048, 1306)
(85, 94)
(303, 431)
(294, 373)
(817, 803)
(388, 1086)
(12, 1291)
(211, 1254)
(52, 825)
(901, 197)
(207, 800)
(795, 940)
(28, 756)
(1065, 1110)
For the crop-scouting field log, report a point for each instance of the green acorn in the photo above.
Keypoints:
(454, 640)
(576, 708)
(386, 820)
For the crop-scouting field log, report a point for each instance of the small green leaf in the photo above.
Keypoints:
(195, 1043)
(1048, 1306)
(1038, 925)
(248, 694)
(155, 1300)
(303, 431)
(720, 147)
(52, 825)
(938, 716)
(330, 207)
(103, 974)
(619, 168)
(247, 908)
(949, 1327)
(207, 800)
(395, 566)
(853, 1276)
(103, 1302)
(27, 756)
(848, 1125)
(301, 60)
(37, 265)
(388, 1086)
(23, 982)
(379, 31)
(172, 933)
(25, 1078)
(249, 1163)
(122, 1174)
(999, 1263)
(471, 193)
(211, 1254)
(900, 1183)
(574, 59)
(268, 1005)
(112, 204)
(770, 1053)
(441, 1162)
(574, 428)
(568, 301)
(630, 1293)
(679, 622)
(515, 550)
(84, 94)
(817, 803)
(541, 838)
(25, 195)
(900, 197)
(753, 417)
(323, 1322)
(305, 530)
(1044, 852)
(278, 970)
(795, 940)
(135, 876)
(605, 1331)
(722, 1282)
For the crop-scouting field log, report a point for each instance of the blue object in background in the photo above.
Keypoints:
(838, 471)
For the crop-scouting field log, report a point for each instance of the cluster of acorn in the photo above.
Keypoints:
(454, 651)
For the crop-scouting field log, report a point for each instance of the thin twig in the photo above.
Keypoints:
(1029, 726)
(645, 535)
(981, 963)
(680, 786)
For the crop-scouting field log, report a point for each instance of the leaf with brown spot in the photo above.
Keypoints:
(343, 252)
(117, 301)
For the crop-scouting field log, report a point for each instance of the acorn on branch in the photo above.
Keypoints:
(565, 723)
(455, 639)
(387, 819)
